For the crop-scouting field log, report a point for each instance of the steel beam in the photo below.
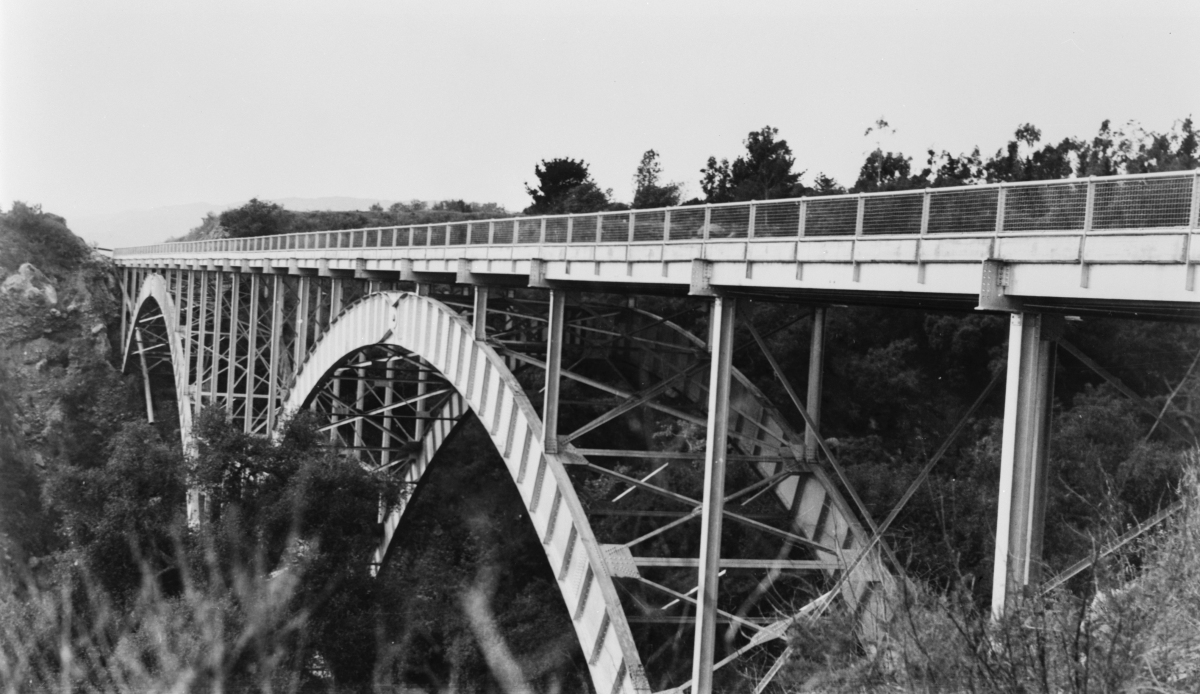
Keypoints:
(203, 310)
(1020, 515)
(251, 362)
(479, 314)
(217, 333)
(137, 334)
(816, 378)
(235, 316)
(276, 327)
(723, 314)
(554, 339)
(187, 399)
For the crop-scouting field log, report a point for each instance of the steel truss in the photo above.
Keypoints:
(709, 516)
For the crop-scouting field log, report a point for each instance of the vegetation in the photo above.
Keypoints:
(104, 588)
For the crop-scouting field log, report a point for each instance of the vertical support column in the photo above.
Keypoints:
(251, 363)
(335, 299)
(554, 338)
(189, 327)
(724, 310)
(304, 288)
(360, 406)
(479, 315)
(202, 311)
(389, 397)
(816, 378)
(127, 316)
(141, 350)
(218, 334)
(1021, 511)
(231, 362)
(273, 377)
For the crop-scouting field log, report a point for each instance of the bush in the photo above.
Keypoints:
(1135, 626)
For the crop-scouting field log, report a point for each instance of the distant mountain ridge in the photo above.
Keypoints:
(140, 227)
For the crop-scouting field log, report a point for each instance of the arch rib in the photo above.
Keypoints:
(154, 288)
(433, 331)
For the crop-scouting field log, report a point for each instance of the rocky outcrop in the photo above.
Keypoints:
(63, 395)
(30, 284)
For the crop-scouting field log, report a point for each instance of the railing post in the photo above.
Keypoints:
(926, 199)
(1088, 212)
(542, 233)
(750, 222)
(570, 228)
(1024, 446)
(707, 221)
(721, 345)
(554, 339)
(631, 218)
(1193, 222)
(666, 226)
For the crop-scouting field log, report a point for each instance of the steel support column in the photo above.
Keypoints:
(217, 335)
(232, 360)
(141, 350)
(479, 315)
(187, 399)
(201, 369)
(816, 377)
(554, 340)
(1021, 510)
(251, 362)
(273, 375)
(721, 345)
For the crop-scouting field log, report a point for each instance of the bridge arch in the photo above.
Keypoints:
(483, 383)
(156, 327)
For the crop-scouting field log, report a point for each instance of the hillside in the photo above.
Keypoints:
(60, 391)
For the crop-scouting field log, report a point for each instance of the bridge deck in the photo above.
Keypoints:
(1123, 244)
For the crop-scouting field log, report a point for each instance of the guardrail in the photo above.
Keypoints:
(1130, 202)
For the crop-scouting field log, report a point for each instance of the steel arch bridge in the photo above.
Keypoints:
(532, 327)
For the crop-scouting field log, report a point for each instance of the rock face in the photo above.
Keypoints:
(31, 284)
(61, 394)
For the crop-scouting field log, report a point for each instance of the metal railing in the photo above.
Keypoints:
(1131, 202)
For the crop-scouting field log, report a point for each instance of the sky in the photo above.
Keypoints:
(110, 105)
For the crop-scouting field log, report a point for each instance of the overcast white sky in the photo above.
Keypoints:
(108, 106)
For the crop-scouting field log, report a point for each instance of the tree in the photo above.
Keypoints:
(124, 515)
(256, 218)
(565, 187)
(826, 185)
(887, 171)
(293, 504)
(1050, 162)
(647, 192)
(763, 173)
